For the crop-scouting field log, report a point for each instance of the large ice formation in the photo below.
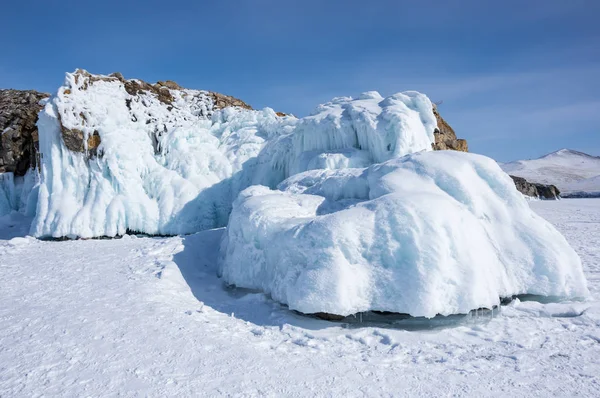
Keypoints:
(425, 234)
(160, 167)
(343, 211)
(117, 157)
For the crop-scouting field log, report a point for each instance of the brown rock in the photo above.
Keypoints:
(170, 84)
(18, 131)
(223, 101)
(525, 187)
(445, 137)
(136, 87)
(74, 140)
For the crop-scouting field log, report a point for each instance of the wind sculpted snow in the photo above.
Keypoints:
(425, 234)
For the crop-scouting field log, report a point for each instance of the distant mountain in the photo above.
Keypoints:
(574, 173)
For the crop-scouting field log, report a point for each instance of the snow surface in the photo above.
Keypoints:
(149, 317)
(430, 233)
(571, 171)
(172, 169)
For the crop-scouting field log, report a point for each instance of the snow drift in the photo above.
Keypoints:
(121, 155)
(425, 234)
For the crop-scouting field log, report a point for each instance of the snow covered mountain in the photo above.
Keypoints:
(574, 173)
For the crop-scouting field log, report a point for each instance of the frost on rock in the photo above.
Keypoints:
(426, 234)
(120, 155)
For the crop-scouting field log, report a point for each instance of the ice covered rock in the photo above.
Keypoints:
(350, 132)
(368, 129)
(425, 234)
(122, 155)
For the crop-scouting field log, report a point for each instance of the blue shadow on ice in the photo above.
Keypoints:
(198, 265)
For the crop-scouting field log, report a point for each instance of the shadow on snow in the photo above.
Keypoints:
(198, 261)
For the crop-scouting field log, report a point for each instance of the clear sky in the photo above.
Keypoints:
(518, 78)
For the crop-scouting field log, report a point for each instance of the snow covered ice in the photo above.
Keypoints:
(425, 234)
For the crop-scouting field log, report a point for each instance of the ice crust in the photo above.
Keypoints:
(426, 234)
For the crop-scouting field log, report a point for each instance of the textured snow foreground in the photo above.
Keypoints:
(148, 317)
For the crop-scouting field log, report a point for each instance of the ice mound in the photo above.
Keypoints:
(429, 233)
(357, 132)
(119, 155)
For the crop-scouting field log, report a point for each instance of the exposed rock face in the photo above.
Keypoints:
(445, 137)
(18, 132)
(224, 101)
(536, 190)
(525, 187)
(547, 191)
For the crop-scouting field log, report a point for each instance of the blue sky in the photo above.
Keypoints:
(517, 79)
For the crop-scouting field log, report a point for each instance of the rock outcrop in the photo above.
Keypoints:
(221, 101)
(18, 132)
(78, 138)
(445, 137)
(547, 191)
(535, 190)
